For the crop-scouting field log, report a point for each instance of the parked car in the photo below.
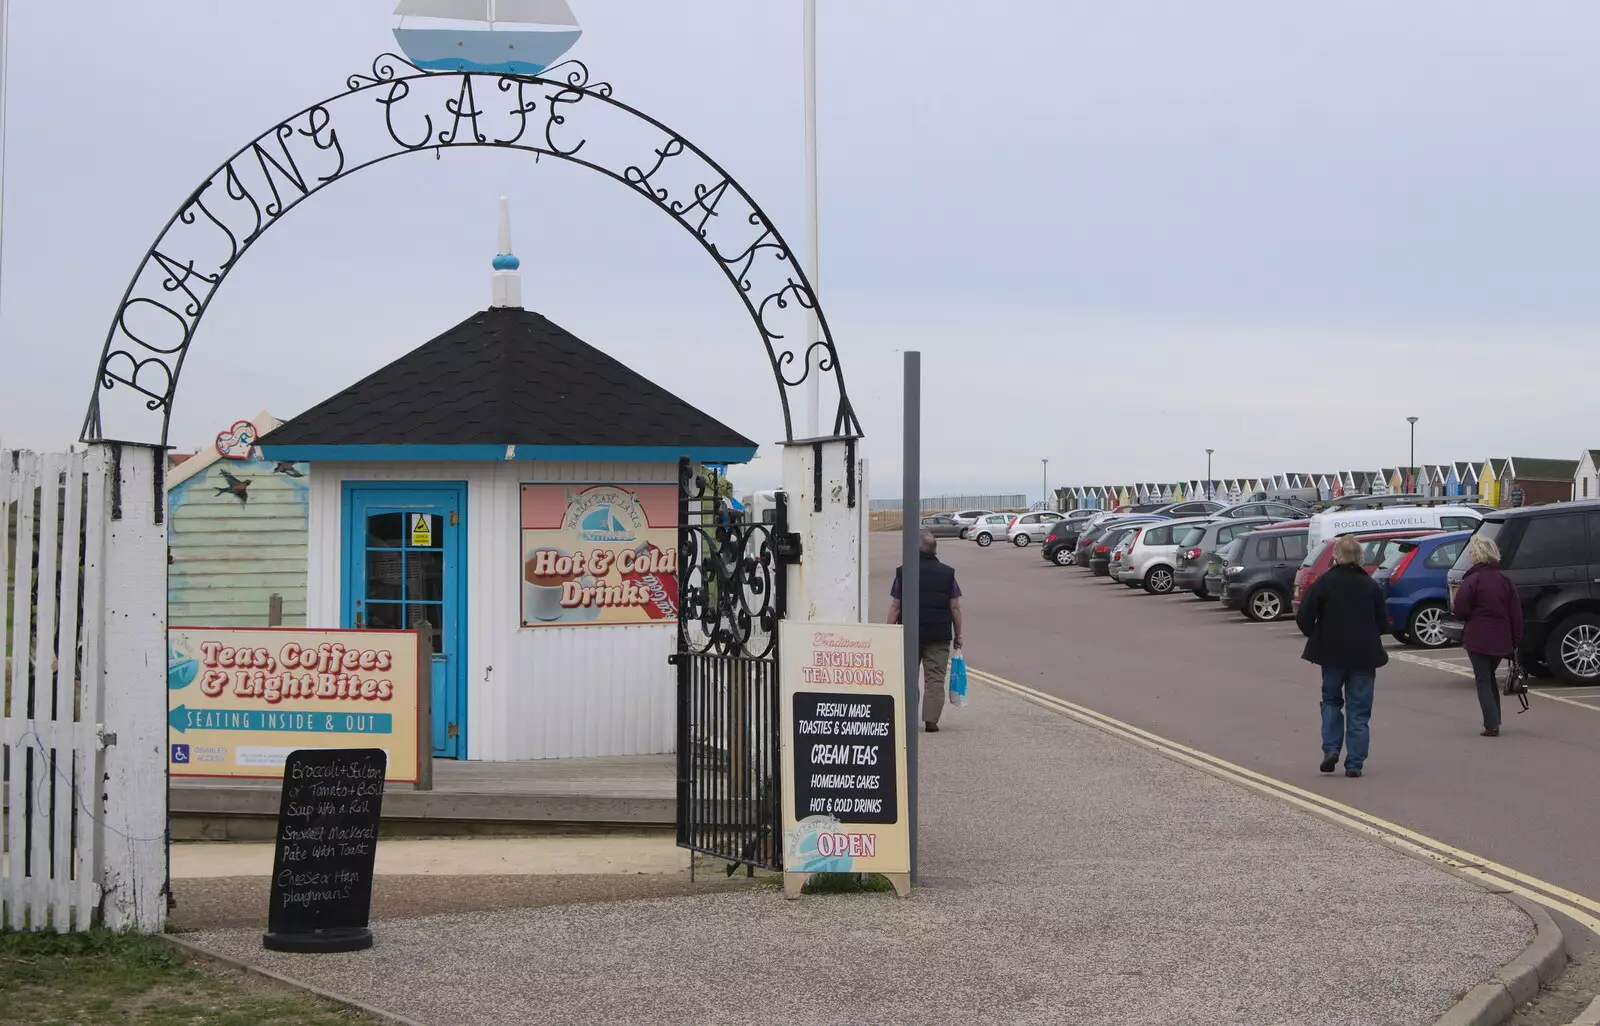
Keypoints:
(1547, 553)
(1261, 579)
(1197, 545)
(1152, 556)
(1375, 547)
(1062, 541)
(1100, 557)
(1083, 553)
(1031, 527)
(941, 525)
(967, 517)
(988, 528)
(1190, 508)
(1393, 518)
(1416, 590)
(1251, 510)
(1216, 567)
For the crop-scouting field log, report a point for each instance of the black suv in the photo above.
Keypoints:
(1061, 541)
(1552, 554)
(1262, 580)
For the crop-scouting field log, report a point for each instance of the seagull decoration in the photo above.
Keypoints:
(238, 487)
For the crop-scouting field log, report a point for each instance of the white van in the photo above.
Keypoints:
(1391, 518)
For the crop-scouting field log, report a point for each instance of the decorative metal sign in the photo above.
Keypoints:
(397, 109)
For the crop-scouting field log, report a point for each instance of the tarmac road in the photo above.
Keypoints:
(1204, 676)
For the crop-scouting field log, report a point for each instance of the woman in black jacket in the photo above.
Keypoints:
(1343, 618)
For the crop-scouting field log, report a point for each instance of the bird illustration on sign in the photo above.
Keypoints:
(235, 486)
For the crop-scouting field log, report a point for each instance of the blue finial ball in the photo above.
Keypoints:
(506, 262)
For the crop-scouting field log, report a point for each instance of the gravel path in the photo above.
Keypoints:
(1070, 877)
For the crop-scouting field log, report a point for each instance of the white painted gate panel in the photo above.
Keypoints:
(66, 799)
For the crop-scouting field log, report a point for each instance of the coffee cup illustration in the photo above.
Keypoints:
(544, 571)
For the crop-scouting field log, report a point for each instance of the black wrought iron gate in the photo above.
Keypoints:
(731, 572)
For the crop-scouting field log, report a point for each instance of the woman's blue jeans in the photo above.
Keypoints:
(1346, 710)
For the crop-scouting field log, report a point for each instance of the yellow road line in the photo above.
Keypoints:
(1491, 874)
(1466, 671)
(1570, 701)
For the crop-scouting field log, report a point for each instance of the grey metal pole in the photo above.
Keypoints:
(911, 578)
(1208, 472)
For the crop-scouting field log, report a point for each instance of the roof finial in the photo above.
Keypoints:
(507, 285)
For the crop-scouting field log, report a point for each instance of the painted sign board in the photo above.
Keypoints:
(599, 554)
(327, 845)
(239, 700)
(843, 729)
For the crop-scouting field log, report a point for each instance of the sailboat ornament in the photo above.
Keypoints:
(517, 37)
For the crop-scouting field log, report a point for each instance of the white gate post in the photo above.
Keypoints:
(133, 712)
(827, 584)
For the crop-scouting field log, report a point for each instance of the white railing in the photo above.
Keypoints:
(83, 782)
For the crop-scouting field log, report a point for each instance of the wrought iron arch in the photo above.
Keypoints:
(416, 111)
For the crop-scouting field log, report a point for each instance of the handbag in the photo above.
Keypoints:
(958, 680)
(1517, 683)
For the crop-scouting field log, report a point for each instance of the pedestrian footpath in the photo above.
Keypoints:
(1067, 877)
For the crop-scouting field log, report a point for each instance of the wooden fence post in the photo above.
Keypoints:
(424, 706)
(133, 714)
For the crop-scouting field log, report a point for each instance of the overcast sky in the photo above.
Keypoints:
(1271, 229)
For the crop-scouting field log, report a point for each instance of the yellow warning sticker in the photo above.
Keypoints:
(421, 531)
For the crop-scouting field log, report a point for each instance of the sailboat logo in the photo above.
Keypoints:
(601, 524)
(513, 37)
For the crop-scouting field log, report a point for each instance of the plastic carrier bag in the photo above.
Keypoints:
(958, 679)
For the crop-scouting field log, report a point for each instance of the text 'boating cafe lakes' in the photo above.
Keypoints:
(517, 490)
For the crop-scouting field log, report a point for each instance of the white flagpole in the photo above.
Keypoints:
(5, 75)
(813, 328)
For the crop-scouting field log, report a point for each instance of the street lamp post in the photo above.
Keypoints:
(1208, 472)
(1046, 491)
(1412, 466)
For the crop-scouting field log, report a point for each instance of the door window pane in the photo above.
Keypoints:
(1294, 546)
(384, 616)
(425, 576)
(1444, 557)
(1552, 541)
(1267, 550)
(434, 614)
(384, 529)
(383, 574)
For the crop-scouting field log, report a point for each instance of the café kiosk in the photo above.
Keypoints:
(518, 489)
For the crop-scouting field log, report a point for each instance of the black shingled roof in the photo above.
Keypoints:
(505, 376)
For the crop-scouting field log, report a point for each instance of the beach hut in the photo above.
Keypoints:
(1527, 481)
(1586, 479)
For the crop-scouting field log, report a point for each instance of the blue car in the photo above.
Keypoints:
(1414, 588)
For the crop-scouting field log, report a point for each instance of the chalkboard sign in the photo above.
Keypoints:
(844, 757)
(327, 843)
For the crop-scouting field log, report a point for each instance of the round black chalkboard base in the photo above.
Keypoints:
(355, 938)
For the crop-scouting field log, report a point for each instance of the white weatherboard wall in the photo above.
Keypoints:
(534, 692)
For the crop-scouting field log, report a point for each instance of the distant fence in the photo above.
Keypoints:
(948, 503)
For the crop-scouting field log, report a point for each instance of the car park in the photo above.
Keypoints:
(1393, 518)
(1552, 554)
(1197, 545)
(941, 525)
(1261, 578)
(1031, 527)
(1376, 546)
(1414, 577)
(986, 529)
(1152, 553)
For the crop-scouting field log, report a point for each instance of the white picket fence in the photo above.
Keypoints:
(84, 789)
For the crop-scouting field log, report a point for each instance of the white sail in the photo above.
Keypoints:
(525, 12)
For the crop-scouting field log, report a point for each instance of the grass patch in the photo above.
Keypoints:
(78, 979)
(847, 883)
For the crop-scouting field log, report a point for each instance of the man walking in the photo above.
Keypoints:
(938, 626)
(1342, 615)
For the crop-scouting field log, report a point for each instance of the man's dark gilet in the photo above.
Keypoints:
(937, 583)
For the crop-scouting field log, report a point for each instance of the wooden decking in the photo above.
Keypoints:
(468, 797)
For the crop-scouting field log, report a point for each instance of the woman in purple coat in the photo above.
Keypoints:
(1487, 601)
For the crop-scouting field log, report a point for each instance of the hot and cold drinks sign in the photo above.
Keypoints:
(844, 749)
(599, 554)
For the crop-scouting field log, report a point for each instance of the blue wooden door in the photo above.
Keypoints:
(405, 563)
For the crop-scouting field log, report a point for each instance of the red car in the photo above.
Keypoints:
(1374, 547)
